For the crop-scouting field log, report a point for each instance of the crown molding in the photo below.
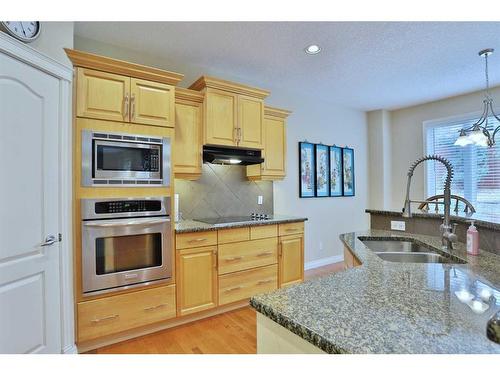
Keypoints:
(190, 95)
(276, 112)
(220, 84)
(107, 64)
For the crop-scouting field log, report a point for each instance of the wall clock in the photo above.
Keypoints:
(25, 31)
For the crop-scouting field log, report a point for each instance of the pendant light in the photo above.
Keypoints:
(478, 133)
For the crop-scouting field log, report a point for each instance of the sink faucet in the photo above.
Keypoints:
(448, 235)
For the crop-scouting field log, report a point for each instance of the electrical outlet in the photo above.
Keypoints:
(320, 245)
(398, 225)
(260, 199)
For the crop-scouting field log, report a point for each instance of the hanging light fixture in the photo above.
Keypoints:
(478, 133)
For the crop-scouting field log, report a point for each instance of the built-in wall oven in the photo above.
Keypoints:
(126, 242)
(113, 159)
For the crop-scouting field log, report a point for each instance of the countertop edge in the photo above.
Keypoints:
(207, 227)
(302, 331)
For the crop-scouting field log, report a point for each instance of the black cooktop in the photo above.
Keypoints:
(231, 219)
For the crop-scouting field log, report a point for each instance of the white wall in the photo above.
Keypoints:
(313, 119)
(407, 138)
(53, 38)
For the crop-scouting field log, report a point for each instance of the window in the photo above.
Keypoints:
(476, 169)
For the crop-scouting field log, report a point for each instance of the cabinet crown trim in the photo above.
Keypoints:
(107, 64)
(186, 94)
(276, 112)
(234, 87)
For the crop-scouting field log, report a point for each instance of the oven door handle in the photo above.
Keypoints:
(122, 223)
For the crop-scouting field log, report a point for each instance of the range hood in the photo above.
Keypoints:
(234, 156)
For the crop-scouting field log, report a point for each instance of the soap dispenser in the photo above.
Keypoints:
(472, 240)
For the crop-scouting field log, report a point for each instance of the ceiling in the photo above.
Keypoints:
(364, 65)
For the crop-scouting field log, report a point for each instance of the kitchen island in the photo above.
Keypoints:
(386, 307)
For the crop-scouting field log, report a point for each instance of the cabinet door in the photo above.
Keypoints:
(102, 95)
(152, 103)
(196, 279)
(250, 122)
(275, 147)
(187, 154)
(291, 260)
(220, 118)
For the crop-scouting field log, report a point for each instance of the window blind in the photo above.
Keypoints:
(476, 169)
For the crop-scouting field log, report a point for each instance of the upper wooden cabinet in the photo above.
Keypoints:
(274, 152)
(102, 95)
(116, 90)
(152, 103)
(234, 113)
(188, 134)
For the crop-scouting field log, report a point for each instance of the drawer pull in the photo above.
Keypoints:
(233, 259)
(265, 254)
(232, 289)
(292, 229)
(99, 320)
(197, 240)
(265, 281)
(155, 307)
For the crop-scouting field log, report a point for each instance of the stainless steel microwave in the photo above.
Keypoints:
(113, 159)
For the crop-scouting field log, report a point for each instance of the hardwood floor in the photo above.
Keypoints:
(233, 332)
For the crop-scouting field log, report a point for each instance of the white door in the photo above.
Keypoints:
(30, 311)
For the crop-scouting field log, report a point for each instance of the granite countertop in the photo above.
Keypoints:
(186, 226)
(387, 307)
(478, 220)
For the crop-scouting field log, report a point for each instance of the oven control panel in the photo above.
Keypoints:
(111, 207)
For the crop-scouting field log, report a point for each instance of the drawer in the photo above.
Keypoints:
(291, 228)
(233, 235)
(244, 284)
(109, 315)
(249, 254)
(263, 231)
(195, 239)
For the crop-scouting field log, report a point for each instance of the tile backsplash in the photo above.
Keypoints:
(223, 190)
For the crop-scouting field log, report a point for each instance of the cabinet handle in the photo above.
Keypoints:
(232, 289)
(155, 307)
(265, 254)
(132, 102)
(233, 259)
(241, 133)
(99, 320)
(280, 250)
(197, 240)
(126, 106)
(265, 281)
(215, 259)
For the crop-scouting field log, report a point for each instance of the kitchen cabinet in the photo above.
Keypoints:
(188, 134)
(109, 89)
(233, 113)
(291, 253)
(152, 103)
(350, 259)
(118, 313)
(196, 270)
(102, 95)
(274, 152)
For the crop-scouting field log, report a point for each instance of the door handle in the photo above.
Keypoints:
(125, 223)
(50, 240)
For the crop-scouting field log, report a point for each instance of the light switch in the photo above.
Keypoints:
(260, 199)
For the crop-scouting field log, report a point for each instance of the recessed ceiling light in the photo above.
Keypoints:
(313, 49)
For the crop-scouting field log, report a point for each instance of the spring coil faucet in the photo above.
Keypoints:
(447, 231)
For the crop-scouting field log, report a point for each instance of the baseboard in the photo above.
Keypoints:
(70, 349)
(323, 262)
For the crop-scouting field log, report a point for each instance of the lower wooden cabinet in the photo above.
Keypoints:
(350, 259)
(118, 313)
(291, 259)
(244, 284)
(196, 271)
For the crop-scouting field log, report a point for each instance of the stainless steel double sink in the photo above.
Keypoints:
(406, 252)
